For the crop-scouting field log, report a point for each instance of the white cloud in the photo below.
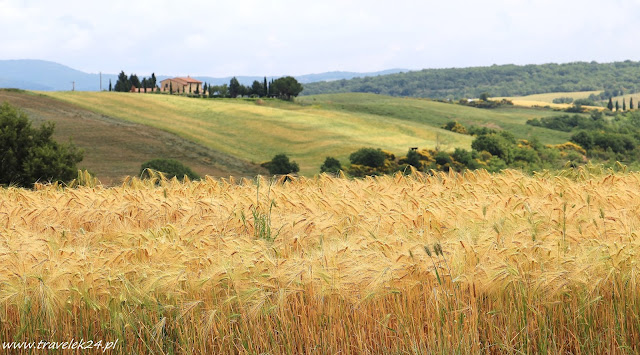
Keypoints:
(296, 37)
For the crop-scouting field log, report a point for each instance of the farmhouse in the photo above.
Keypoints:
(180, 85)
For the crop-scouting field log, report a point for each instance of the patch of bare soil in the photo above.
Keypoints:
(114, 149)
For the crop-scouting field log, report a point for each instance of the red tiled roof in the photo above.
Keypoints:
(184, 81)
(191, 80)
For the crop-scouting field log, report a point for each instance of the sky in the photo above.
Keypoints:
(227, 38)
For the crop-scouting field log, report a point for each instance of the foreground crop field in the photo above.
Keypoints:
(504, 263)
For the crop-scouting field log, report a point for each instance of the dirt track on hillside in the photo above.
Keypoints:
(114, 149)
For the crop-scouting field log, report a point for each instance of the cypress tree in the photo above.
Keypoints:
(171, 88)
(264, 89)
(109, 84)
(617, 105)
(610, 104)
(624, 105)
(631, 103)
(122, 84)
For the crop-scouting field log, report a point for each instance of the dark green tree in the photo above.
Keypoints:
(30, 154)
(243, 91)
(484, 96)
(331, 165)
(171, 87)
(631, 103)
(265, 87)
(110, 87)
(413, 158)
(287, 87)
(498, 144)
(234, 87)
(624, 104)
(257, 89)
(134, 81)
(610, 104)
(154, 81)
(368, 156)
(583, 139)
(122, 84)
(617, 106)
(280, 165)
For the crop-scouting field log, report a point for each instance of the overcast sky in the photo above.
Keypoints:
(225, 38)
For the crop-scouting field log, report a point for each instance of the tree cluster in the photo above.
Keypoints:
(500, 80)
(281, 165)
(124, 83)
(604, 140)
(285, 88)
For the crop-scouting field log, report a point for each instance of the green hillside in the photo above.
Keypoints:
(436, 114)
(313, 128)
(497, 80)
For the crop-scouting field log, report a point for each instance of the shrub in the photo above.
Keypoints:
(331, 165)
(456, 127)
(280, 165)
(30, 154)
(466, 158)
(492, 143)
(413, 159)
(478, 131)
(169, 167)
(369, 157)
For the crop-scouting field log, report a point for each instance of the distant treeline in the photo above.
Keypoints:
(611, 79)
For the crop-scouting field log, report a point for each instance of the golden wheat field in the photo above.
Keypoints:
(442, 263)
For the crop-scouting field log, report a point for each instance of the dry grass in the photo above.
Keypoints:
(329, 265)
(542, 100)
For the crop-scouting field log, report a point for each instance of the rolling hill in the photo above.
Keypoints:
(256, 130)
(310, 130)
(114, 148)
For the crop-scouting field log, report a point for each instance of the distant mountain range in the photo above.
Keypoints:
(31, 74)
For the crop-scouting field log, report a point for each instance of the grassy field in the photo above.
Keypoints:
(473, 263)
(312, 128)
(436, 114)
(255, 132)
(546, 100)
(114, 149)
